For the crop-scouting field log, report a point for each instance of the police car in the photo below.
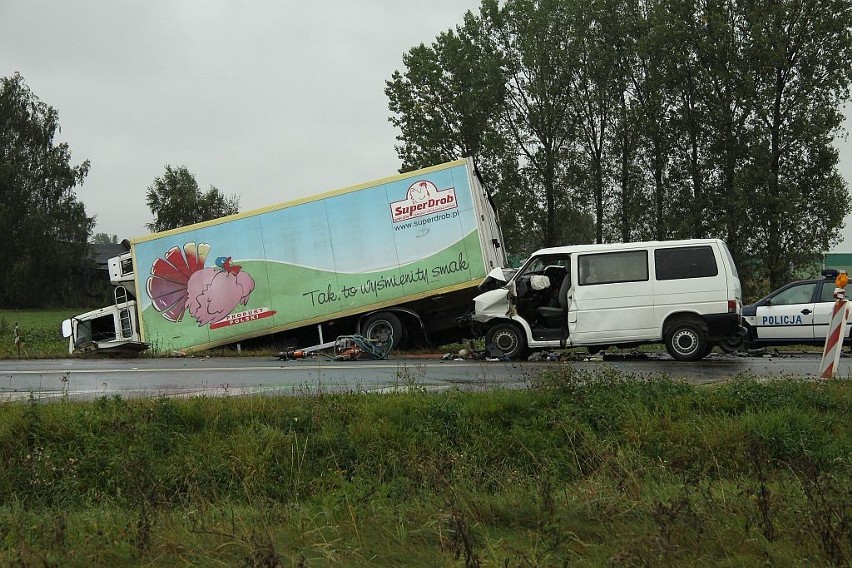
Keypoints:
(796, 314)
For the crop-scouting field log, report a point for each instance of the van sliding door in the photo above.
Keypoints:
(614, 297)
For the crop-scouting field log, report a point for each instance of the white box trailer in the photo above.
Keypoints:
(400, 256)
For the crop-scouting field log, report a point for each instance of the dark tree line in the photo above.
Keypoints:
(45, 228)
(616, 120)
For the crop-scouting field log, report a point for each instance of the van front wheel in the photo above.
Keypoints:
(686, 341)
(508, 338)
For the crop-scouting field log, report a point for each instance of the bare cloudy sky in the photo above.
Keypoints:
(270, 100)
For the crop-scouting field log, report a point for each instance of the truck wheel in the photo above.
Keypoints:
(381, 327)
(686, 341)
(508, 338)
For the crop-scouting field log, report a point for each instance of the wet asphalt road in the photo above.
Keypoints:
(92, 378)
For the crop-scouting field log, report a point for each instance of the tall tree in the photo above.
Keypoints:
(801, 57)
(43, 250)
(717, 107)
(629, 200)
(176, 200)
(444, 102)
(538, 115)
(601, 43)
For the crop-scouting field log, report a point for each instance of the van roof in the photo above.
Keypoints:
(623, 246)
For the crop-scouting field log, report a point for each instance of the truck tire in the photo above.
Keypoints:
(382, 326)
(508, 338)
(686, 341)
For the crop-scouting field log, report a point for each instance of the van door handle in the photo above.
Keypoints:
(806, 311)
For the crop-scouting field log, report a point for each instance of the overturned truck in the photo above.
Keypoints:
(397, 259)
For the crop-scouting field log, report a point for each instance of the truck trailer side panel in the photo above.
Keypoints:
(342, 253)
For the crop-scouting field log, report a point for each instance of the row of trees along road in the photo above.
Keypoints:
(617, 120)
(45, 250)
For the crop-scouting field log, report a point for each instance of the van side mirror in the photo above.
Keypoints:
(66, 328)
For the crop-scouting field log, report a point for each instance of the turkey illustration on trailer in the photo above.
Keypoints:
(180, 282)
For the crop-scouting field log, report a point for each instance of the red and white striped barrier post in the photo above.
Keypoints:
(836, 329)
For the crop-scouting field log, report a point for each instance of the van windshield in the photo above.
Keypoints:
(541, 264)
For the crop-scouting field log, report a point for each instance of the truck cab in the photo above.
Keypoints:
(114, 328)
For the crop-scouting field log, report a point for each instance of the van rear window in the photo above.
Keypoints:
(610, 267)
(685, 262)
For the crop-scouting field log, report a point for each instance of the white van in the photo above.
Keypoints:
(685, 293)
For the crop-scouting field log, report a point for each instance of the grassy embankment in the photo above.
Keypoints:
(580, 469)
(40, 330)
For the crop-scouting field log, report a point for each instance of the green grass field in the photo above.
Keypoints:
(577, 470)
(40, 330)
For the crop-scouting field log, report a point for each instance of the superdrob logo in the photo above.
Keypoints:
(423, 198)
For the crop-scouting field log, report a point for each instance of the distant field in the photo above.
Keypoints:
(40, 330)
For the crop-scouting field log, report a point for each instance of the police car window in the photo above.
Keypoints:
(685, 262)
(827, 292)
(798, 294)
(609, 267)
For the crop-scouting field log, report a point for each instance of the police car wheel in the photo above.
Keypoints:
(686, 341)
(508, 338)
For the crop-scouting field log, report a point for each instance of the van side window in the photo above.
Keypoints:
(610, 267)
(685, 262)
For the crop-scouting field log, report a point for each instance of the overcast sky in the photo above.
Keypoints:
(269, 100)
